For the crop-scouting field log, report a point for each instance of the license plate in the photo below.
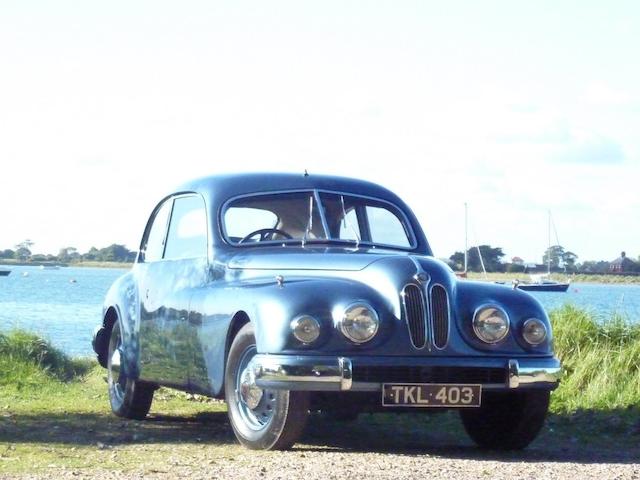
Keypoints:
(431, 395)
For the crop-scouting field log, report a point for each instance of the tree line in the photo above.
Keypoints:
(113, 253)
(556, 257)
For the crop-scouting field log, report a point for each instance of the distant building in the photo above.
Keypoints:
(517, 261)
(622, 264)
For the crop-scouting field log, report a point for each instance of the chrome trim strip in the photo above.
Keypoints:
(446, 294)
(295, 372)
(529, 376)
(346, 369)
(302, 373)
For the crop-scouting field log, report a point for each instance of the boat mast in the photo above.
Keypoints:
(549, 244)
(466, 255)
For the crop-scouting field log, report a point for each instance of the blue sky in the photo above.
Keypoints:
(514, 107)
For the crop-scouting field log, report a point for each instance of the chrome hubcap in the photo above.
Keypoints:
(117, 379)
(255, 405)
(250, 393)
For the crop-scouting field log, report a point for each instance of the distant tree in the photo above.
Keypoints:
(68, 254)
(7, 253)
(491, 257)
(92, 254)
(591, 266)
(457, 261)
(114, 253)
(23, 250)
(553, 253)
(569, 260)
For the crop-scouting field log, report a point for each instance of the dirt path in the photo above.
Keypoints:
(374, 447)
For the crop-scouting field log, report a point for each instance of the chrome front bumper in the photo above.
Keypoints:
(288, 372)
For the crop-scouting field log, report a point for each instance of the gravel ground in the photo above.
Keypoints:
(371, 448)
(309, 465)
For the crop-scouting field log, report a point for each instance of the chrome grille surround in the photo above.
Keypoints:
(415, 312)
(440, 317)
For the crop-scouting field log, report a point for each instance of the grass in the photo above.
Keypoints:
(601, 360)
(55, 415)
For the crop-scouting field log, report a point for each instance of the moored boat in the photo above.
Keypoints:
(542, 286)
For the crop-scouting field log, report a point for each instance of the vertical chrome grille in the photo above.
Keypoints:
(415, 313)
(440, 316)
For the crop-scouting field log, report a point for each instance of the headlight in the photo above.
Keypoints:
(534, 331)
(359, 323)
(305, 328)
(490, 324)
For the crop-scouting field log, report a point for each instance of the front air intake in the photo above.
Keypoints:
(415, 313)
(440, 316)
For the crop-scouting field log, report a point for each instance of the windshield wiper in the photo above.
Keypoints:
(348, 223)
(309, 222)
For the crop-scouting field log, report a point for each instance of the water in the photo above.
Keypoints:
(65, 305)
(61, 305)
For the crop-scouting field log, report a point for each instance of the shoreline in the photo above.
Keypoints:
(573, 278)
(91, 264)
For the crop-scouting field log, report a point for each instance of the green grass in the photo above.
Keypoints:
(601, 361)
(55, 414)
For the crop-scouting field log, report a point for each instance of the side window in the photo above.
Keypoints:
(187, 236)
(154, 245)
(386, 228)
(349, 227)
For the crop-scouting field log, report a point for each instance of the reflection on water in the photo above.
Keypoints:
(65, 305)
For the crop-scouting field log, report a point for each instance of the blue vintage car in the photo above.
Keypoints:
(285, 294)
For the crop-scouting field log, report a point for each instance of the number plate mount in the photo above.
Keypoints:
(430, 395)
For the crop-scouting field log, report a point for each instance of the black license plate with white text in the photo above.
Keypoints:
(431, 395)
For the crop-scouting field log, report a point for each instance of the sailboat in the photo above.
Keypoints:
(543, 283)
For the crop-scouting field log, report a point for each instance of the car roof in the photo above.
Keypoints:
(225, 186)
(217, 189)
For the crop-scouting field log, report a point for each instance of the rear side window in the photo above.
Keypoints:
(154, 245)
(187, 237)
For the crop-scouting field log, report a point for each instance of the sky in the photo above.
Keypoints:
(516, 108)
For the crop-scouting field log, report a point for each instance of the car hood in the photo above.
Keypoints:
(309, 258)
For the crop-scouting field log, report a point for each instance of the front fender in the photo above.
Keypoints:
(518, 305)
(121, 303)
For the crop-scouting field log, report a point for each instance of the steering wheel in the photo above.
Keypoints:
(265, 233)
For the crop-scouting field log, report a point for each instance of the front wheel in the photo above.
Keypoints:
(261, 419)
(129, 398)
(507, 420)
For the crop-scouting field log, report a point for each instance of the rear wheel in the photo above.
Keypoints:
(129, 398)
(261, 419)
(507, 421)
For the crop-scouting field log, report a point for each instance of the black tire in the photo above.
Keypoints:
(129, 398)
(261, 419)
(507, 420)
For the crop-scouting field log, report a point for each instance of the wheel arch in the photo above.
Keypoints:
(101, 346)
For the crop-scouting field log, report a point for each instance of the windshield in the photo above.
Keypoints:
(315, 217)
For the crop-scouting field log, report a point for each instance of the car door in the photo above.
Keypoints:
(167, 285)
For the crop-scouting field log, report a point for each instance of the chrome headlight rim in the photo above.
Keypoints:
(476, 327)
(528, 322)
(344, 329)
(296, 324)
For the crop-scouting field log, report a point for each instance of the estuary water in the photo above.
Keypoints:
(65, 305)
